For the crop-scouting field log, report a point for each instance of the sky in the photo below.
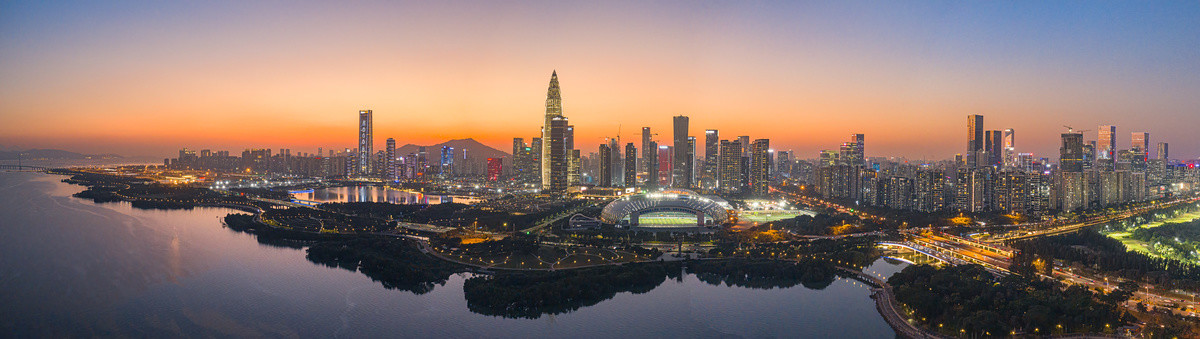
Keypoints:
(149, 78)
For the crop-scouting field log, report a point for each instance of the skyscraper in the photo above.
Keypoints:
(974, 140)
(630, 165)
(1106, 142)
(390, 173)
(1071, 153)
(682, 165)
(550, 146)
(858, 146)
(494, 167)
(647, 151)
(993, 146)
(651, 160)
(1141, 143)
(760, 167)
(730, 180)
(605, 172)
(557, 171)
(712, 143)
(365, 140)
(1010, 148)
(1162, 151)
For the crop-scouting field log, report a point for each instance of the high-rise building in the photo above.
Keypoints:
(494, 167)
(618, 166)
(446, 166)
(390, 174)
(745, 142)
(712, 142)
(1071, 153)
(1106, 148)
(1141, 144)
(666, 159)
(1162, 152)
(974, 140)
(651, 160)
(365, 140)
(557, 181)
(1073, 183)
(760, 167)
(550, 145)
(605, 171)
(535, 161)
(994, 147)
(1010, 148)
(681, 174)
(647, 153)
(630, 165)
(517, 165)
(858, 149)
(730, 180)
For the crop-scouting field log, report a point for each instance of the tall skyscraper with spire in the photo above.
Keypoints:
(554, 162)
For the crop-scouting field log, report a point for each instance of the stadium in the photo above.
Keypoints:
(668, 210)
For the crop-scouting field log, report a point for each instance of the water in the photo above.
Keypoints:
(70, 267)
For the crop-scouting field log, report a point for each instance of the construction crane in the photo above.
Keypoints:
(1072, 130)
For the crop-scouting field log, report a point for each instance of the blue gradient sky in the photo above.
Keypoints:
(152, 77)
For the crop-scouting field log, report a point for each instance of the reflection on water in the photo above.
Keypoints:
(70, 267)
(374, 194)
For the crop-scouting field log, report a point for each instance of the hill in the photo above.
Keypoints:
(474, 149)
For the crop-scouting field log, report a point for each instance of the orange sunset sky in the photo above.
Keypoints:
(150, 78)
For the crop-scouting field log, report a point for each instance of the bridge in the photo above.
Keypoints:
(8, 167)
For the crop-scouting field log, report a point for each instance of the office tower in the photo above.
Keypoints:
(618, 164)
(518, 160)
(1071, 153)
(630, 165)
(828, 158)
(857, 150)
(1073, 182)
(651, 160)
(666, 159)
(551, 145)
(1106, 147)
(712, 143)
(557, 181)
(745, 142)
(730, 180)
(446, 165)
(364, 142)
(605, 173)
(691, 149)
(974, 140)
(994, 147)
(1141, 143)
(1010, 148)
(1089, 155)
(760, 167)
(682, 166)
(391, 159)
(494, 167)
(647, 152)
(574, 168)
(569, 140)
(535, 161)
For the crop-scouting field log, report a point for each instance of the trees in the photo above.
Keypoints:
(969, 299)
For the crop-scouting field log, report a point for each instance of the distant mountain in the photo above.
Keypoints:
(475, 149)
(33, 154)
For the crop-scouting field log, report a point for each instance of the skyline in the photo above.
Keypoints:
(152, 79)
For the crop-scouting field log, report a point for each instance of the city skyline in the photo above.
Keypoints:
(803, 96)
